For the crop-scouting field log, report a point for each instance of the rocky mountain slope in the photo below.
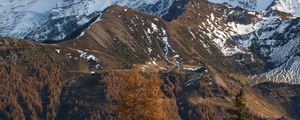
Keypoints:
(272, 36)
(287, 6)
(57, 20)
(203, 56)
(38, 81)
(257, 30)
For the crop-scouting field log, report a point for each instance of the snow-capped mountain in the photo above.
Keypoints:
(278, 42)
(256, 5)
(58, 19)
(288, 6)
(246, 31)
(274, 38)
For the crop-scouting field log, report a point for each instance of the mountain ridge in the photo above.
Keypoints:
(199, 89)
(59, 15)
(207, 59)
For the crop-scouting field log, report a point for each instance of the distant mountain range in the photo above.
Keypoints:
(57, 20)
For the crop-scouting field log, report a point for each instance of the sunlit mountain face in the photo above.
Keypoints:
(149, 59)
(57, 20)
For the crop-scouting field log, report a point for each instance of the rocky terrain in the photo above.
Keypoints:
(34, 85)
(200, 60)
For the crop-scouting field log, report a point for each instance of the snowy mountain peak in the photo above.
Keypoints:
(51, 19)
(288, 6)
(256, 5)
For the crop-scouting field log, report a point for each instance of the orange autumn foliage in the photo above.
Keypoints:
(136, 96)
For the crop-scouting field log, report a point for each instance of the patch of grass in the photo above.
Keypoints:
(239, 77)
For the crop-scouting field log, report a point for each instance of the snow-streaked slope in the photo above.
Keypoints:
(288, 6)
(277, 41)
(274, 39)
(256, 5)
(18, 17)
(280, 43)
(51, 19)
(288, 72)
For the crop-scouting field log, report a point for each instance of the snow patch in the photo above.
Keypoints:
(88, 57)
(227, 51)
(58, 51)
(241, 29)
(154, 27)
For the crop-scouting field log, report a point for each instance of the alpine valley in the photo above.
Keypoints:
(149, 59)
